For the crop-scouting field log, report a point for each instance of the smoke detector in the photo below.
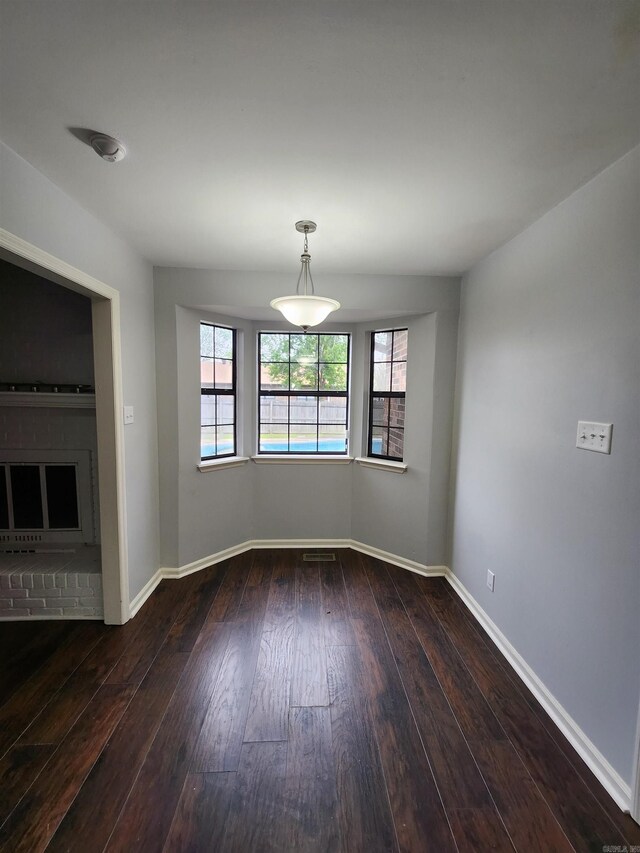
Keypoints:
(107, 147)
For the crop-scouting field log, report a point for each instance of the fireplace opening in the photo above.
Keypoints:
(39, 497)
(48, 496)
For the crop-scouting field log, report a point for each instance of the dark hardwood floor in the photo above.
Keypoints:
(272, 704)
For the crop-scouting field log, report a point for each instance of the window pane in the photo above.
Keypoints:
(225, 442)
(379, 441)
(333, 410)
(303, 438)
(304, 378)
(274, 410)
(217, 410)
(274, 438)
(382, 344)
(388, 376)
(332, 439)
(207, 409)
(206, 372)
(224, 373)
(304, 365)
(304, 349)
(396, 411)
(206, 339)
(274, 347)
(400, 345)
(382, 377)
(396, 442)
(334, 348)
(399, 379)
(333, 377)
(27, 500)
(274, 377)
(226, 414)
(207, 441)
(303, 410)
(62, 497)
(380, 411)
(224, 343)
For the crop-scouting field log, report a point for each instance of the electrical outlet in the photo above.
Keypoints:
(594, 436)
(128, 414)
(491, 579)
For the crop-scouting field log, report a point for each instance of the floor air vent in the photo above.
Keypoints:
(319, 558)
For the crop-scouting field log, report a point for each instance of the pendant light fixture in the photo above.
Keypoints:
(304, 308)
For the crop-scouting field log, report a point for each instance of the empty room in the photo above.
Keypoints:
(319, 426)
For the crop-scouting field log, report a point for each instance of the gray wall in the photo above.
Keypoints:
(215, 510)
(549, 335)
(33, 208)
(298, 501)
(405, 514)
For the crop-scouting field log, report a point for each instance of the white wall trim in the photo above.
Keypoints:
(301, 459)
(299, 543)
(219, 464)
(145, 592)
(189, 568)
(108, 370)
(205, 562)
(381, 464)
(395, 560)
(608, 777)
(43, 259)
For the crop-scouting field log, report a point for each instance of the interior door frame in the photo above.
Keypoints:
(105, 310)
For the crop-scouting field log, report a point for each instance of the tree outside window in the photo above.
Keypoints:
(304, 390)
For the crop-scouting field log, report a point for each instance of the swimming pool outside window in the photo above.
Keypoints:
(303, 393)
(217, 391)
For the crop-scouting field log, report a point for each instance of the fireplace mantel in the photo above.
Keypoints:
(47, 400)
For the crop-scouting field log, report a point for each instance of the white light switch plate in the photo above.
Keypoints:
(594, 436)
(128, 414)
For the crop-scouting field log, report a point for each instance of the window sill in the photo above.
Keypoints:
(300, 459)
(382, 464)
(226, 462)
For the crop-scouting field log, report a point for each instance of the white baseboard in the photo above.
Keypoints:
(597, 763)
(299, 543)
(182, 572)
(608, 777)
(395, 560)
(205, 562)
(145, 592)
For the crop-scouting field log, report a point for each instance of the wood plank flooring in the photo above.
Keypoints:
(272, 704)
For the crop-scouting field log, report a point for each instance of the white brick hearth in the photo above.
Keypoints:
(64, 585)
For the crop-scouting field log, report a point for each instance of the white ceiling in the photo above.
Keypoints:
(419, 135)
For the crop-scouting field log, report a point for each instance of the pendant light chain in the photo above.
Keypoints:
(305, 271)
(305, 309)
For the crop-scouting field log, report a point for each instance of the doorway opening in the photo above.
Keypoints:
(108, 498)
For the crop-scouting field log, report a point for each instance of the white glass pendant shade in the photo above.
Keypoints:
(305, 311)
(304, 308)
